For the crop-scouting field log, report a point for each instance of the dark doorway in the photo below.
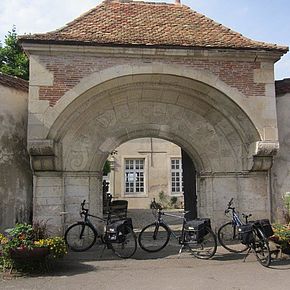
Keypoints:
(189, 185)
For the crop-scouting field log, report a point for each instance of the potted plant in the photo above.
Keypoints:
(25, 244)
(282, 231)
(282, 237)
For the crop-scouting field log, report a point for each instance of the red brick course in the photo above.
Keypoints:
(69, 70)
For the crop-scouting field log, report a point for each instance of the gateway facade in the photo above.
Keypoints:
(128, 70)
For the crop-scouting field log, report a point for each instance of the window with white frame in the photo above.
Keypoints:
(176, 176)
(134, 176)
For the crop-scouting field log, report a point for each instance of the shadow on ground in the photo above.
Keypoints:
(278, 263)
(77, 263)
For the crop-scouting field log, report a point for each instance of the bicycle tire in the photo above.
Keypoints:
(229, 239)
(206, 247)
(80, 237)
(260, 246)
(152, 239)
(127, 247)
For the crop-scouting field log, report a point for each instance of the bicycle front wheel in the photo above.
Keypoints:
(127, 246)
(80, 237)
(260, 246)
(154, 237)
(206, 247)
(229, 239)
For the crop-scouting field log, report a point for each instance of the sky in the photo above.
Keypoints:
(263, 20)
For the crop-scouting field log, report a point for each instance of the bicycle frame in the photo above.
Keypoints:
(160, 220)
(235, 217)
(85, 212)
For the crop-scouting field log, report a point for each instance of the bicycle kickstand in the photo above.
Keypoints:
(105, 246)
(248, 253)
(180, 251)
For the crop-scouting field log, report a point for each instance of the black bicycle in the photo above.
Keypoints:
(196, 235)
(238, 236)
(118, 234)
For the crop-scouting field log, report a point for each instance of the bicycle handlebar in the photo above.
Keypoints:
(230, 202)
(84, 210)
(229, 207)
(155, 205)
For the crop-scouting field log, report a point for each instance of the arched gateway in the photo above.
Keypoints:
(91, 92)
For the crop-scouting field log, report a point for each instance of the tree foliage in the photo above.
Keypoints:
(13, 60)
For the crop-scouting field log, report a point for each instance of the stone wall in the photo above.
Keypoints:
(281, 166)
(15, 173)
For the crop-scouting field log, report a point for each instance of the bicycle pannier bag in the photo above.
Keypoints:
(116, 231)
(207, 224)
(265, 226)
(195, 230)
(246, 233)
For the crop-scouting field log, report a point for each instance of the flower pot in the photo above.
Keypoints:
(286, 250)
(276, 240)
(26, 253)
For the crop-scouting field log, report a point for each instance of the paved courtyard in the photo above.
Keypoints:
(163, 270)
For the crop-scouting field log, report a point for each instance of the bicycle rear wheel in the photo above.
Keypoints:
(154, 237)
(206, 247)
(80, 237)
(260, 246)
(128, 245)
(229, 239)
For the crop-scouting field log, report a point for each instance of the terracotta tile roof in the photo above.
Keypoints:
(124, 22)
(282, 87)
(13, 82)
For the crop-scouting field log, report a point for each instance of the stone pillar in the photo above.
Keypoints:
(48, 200)
(57, 193)
(79, 186)
(57, 197)
(249, 190)
(96, 193)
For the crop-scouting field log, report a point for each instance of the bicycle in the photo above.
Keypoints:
(196, 235)
(228, 235)
(238, 236)
(118, 234)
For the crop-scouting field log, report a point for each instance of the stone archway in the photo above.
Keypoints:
(208, 124)
(174, 108)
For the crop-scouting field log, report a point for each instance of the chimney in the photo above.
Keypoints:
(177, 2)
